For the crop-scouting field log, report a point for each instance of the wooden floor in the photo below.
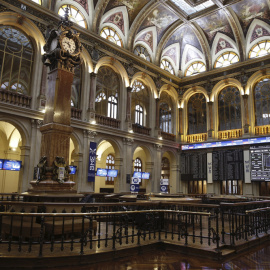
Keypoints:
(258, 259)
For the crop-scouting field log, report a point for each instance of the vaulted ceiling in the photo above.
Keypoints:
(181, 31)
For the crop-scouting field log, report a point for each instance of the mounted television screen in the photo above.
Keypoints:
(145, 175)
(137, 174)
(73, 169)
(112, 173)
(101, 172)
(1, 164)
(12, 165)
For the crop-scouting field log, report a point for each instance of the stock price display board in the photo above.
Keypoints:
(194, 166)
(228, 165)
(260, 163)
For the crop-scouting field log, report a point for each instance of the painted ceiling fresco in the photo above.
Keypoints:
(161, 18)
(248, 10)
(133, 7)
(213, 23)
(166, 27)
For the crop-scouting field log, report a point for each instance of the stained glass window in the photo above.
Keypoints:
(197, 114)
(262, 102)
(260, 49)
(166, 65)
(110, 164)
(195, 68)
(107, 96)
(229, 108)
(16, 60)
(226, 59)
(74, 15)
(111, 35)
(165, 118)
(142, 52)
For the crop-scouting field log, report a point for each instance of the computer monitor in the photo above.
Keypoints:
(12, 165)
(137, 174)
(1, 164)
(101, 172)
(73, 169)
(145, 175)
(112, 173)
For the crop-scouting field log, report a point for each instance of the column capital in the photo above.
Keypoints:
(158, 147)
(93, 74)
(129, 89)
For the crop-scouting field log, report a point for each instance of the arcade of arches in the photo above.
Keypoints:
(145, 88)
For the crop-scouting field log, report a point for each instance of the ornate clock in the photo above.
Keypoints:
(63, 46)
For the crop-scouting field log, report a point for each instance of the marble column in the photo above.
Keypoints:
(92, 97)
(210, 112)
(246, 116)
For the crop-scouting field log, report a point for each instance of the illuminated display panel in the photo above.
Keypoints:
(73, 169)
(112, 173)
(225, 143)
(101, 172)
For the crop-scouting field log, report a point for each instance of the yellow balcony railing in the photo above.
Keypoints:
(230, 134)
(201, 137)
(262, 130)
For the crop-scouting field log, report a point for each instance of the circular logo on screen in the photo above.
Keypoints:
(132, 187)
(163, 188)
(136, 180)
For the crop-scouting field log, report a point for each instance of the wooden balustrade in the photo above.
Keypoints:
(107, 121)
(141, 129)
(76, 113)
(201, 137)
(262, 130)
(167, 136)
(229, 134)
(15, 98)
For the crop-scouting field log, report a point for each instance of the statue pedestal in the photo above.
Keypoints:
(52, 186)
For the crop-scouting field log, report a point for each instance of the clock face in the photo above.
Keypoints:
(68, 45)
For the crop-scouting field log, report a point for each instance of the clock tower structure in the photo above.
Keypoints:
(62, 55)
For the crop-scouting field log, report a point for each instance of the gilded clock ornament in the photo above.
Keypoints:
(63, 46)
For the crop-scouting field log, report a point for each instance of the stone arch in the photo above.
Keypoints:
(123, 33)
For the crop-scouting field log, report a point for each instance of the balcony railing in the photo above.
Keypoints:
(141, 129)
(201, 137)
(76, 113)
(107, 121)
(167, 136)
(262, 130)
(15, 98)
(229, 134)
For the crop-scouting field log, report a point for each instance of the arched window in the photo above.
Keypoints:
(142, 52)
(195, 68)
(16, 60)
(165, 168)
(112, 107)
(101, 96)
(137, 165)
(262, 102)
(139, 115)
(111, 35)
(107, 96)
(110, 164)
(74, 15)
(166, 65)
(226, 59)
(197, 114)
(229, 109)
(260, 49)
(140, 103)
(165, 118)
(37, 1)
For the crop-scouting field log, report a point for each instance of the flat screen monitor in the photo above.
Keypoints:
(145, 175)
(112, 173)
(137, 174)
(101, 172)
(73, 169)
(1, 164)
(12, 165)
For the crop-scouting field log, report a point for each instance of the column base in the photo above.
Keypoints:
(52, 186)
